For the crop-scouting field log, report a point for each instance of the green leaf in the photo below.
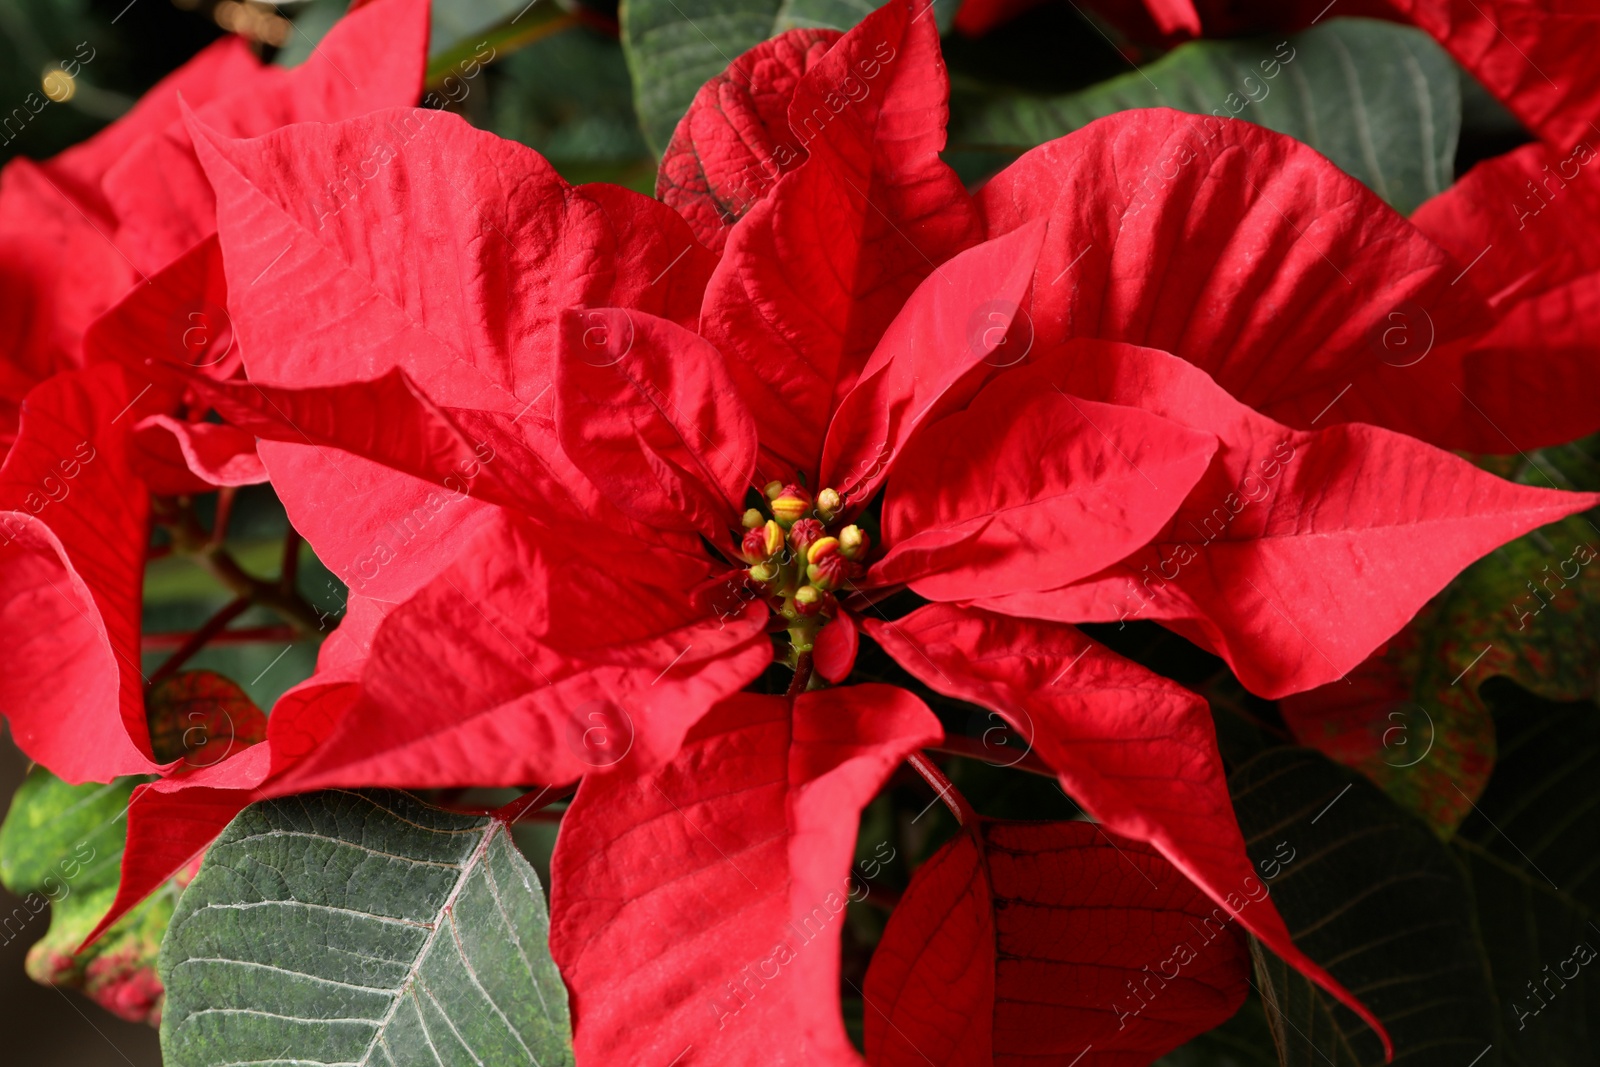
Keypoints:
(1301, 1018)
(362, 928)
(311, 24)
(455, 22)
(455, 27)
(843, 14)
(1382, 101)
(676, 46)
(1530, 848)
(1370, 893)
(569, 99)
(62, 844)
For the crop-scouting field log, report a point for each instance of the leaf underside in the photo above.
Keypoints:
(362, 928)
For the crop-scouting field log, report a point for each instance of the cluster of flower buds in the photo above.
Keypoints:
(796, 555)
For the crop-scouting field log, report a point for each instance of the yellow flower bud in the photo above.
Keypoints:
(822, 547)
(791, 505)
(853, 542)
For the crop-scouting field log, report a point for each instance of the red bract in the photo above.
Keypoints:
(1049, 940)
(79, 230)
(126, 215)
(1494, 374)
(1523, 228)
(72, 542)
(729, 936)
(735, 142)
(587, 467)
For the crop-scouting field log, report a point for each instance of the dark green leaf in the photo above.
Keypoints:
(1532, 851)
(676, 46)
(1380, 100)
(362, 928)
(1304, 1028)
(569, 98)
(1377, 899)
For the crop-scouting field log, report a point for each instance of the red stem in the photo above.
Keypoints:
(291, 562)
(802, 675)
(972, 748)
(242, 636)
(219, 525)
(958, 805)
(197, 640)
(524, 807)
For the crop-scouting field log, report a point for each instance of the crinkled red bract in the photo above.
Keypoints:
(129, 209)
(105, 255)
(531, 420)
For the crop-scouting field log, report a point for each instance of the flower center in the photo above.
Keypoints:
(800, 554)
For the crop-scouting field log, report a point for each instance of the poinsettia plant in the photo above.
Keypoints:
(968, 572)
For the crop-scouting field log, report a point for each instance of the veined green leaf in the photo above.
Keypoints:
(1532, 851)
(362, 928)
(1370, 893)
(1382, 101)
(676, 46)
